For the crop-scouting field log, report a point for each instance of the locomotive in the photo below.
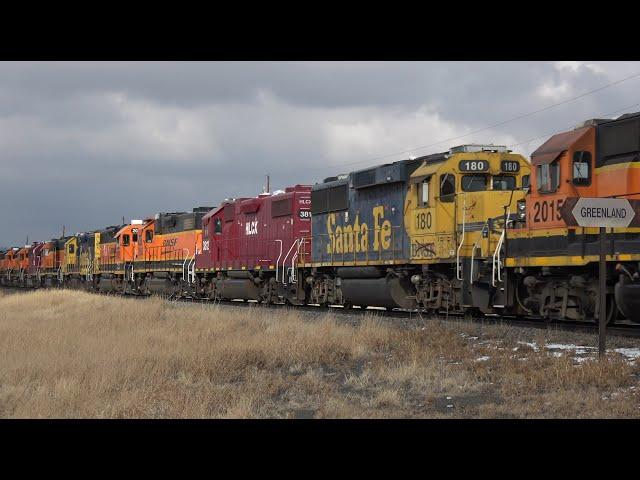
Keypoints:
(553, 266)
(475, 229)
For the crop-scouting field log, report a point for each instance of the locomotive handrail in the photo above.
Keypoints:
(184, 263)
(191, 274)
(464, 214)
(473, 254)
(497, 254)
(284, 260)
(293, 260)
(279, 256)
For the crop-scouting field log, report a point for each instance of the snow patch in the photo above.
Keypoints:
(630, 353)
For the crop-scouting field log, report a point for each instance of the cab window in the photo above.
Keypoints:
(474, 183)
(135, 237)
(125, 240)
(218, 227)
(526, 181)
(423, 192)
(447, 187)
(71, 248)
(582, 168)
(548, 177)
(504, 182)
(148, 236)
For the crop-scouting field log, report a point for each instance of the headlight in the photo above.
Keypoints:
(522, 210)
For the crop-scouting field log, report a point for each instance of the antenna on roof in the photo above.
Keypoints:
(122, 220)
(266, 188)
(63, 230)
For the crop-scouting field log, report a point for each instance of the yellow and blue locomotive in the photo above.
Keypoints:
(424, 232)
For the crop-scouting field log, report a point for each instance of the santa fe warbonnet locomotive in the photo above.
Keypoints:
(474, 229)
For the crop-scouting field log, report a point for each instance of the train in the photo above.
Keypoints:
(476, 229)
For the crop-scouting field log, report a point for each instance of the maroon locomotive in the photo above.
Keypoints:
(250, 246)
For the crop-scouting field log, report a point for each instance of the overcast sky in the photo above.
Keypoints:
(83, 144)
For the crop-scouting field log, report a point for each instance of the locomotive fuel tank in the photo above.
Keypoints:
(381, 292)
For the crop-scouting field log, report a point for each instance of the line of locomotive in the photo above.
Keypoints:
(474, 229)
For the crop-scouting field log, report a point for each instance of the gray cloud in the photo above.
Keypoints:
(84, 143)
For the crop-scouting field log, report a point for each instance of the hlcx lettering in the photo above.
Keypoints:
(355, 238)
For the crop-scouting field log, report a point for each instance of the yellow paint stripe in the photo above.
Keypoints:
(565, 261)
(617, 166)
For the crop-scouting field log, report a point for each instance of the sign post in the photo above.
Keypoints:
(602, 310)
(603, 213)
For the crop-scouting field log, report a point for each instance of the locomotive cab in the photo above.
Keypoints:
(456, 211)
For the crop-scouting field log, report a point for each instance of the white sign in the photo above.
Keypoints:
(603, 212)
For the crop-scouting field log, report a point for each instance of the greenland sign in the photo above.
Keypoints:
(600, 212)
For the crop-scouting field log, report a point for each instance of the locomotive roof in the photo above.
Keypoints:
(553, 148)
(384, 173)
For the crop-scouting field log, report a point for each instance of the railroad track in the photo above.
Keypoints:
(412, 317)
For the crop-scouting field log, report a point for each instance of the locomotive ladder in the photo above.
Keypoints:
(496, 272)
(473, 251)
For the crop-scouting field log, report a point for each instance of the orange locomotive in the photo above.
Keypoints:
(553, 265)
(155, 255)
(15, 266)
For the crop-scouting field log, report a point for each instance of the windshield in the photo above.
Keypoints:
(504, 182)
(474, 183)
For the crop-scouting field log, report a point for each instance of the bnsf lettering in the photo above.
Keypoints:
(170, 242)
(547, 211)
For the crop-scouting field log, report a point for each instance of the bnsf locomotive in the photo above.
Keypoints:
(474, 229)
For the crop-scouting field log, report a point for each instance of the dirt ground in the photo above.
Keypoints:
(68, 354)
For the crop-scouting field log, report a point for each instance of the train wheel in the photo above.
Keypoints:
(347, 306)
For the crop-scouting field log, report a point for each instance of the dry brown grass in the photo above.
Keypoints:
(71, 354)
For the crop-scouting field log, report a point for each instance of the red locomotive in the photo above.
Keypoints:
(250, 246)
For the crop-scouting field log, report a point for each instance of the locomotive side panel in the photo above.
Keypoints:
(360, 220)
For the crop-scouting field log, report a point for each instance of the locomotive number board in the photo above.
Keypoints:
(473, 165)
(509, 166)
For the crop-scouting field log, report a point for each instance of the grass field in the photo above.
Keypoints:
(69, 354)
